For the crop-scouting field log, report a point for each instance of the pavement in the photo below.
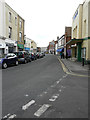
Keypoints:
(75, 67)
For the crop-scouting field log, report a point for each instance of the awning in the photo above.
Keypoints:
(27, 48)
(60, 50)
(74, 41)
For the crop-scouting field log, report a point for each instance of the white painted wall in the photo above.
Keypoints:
(27, 43)
(2, 18)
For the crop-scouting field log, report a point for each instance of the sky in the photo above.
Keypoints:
(45, 19)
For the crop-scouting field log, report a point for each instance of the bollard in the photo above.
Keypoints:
(82, 61)
(88, 65)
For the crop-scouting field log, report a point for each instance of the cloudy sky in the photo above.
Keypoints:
(45, 19)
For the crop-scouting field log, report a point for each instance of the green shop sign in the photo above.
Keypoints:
(20, 46)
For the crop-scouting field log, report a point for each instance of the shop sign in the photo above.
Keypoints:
(83, 53)
(75, 15)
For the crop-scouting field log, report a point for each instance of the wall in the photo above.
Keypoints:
(20, 29)
(2, 18)
(12, 23)
(27, 43)
(77, 23)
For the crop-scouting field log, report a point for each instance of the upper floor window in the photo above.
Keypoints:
(20, 36)
(20, 24)
(10, 16)
(10, 32)
(15, 20)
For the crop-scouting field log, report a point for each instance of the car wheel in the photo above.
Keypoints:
(4, 65)
(30, 60)
(16, 63)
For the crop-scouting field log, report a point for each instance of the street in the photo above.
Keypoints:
(41, 89)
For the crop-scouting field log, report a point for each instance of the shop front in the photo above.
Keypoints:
(27, 49)
(2, 47)
(20, 47)
(76, 46)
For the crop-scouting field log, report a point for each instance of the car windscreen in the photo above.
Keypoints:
(16, 53)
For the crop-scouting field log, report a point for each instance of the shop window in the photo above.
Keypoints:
(10, 32)
(20, 37)
(83, 53)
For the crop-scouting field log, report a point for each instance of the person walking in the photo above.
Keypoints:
(61, 54)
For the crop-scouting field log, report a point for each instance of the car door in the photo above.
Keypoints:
(8, 59)
(13, 59)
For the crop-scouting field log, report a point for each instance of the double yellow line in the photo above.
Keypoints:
(70, 73)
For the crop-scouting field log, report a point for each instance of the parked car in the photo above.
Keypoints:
(38, 55)
(9, 59)
(32, 56)
(41, 55)
(35, 56)
(23, 56)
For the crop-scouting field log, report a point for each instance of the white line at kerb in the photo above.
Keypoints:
(28, 105)
(41, 110)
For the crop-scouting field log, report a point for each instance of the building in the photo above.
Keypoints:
(68, 34)
(51, 47)
(27, 45)
(2, 27)
(38, 49)
(11, 26)
(80, 42)
(61, 43)
(43, 49)
(56, 47)
(20, 34)
(33, 46)
(12, 30)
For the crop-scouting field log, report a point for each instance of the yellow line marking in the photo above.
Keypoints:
(66, 70)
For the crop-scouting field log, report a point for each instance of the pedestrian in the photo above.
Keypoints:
(61, 54)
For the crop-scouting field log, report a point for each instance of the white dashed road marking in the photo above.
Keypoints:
(28, 105)
(26, 95)
(6, 116)
(42, 109)
(60, 90)
(54, 97)
(58, 82)
(12, 116)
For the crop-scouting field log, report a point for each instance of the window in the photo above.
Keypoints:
(20, 36)
(20, 24)
(10, 32)
(10, 17)
(15, 20)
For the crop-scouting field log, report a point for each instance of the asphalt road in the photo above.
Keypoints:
(41, 89)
